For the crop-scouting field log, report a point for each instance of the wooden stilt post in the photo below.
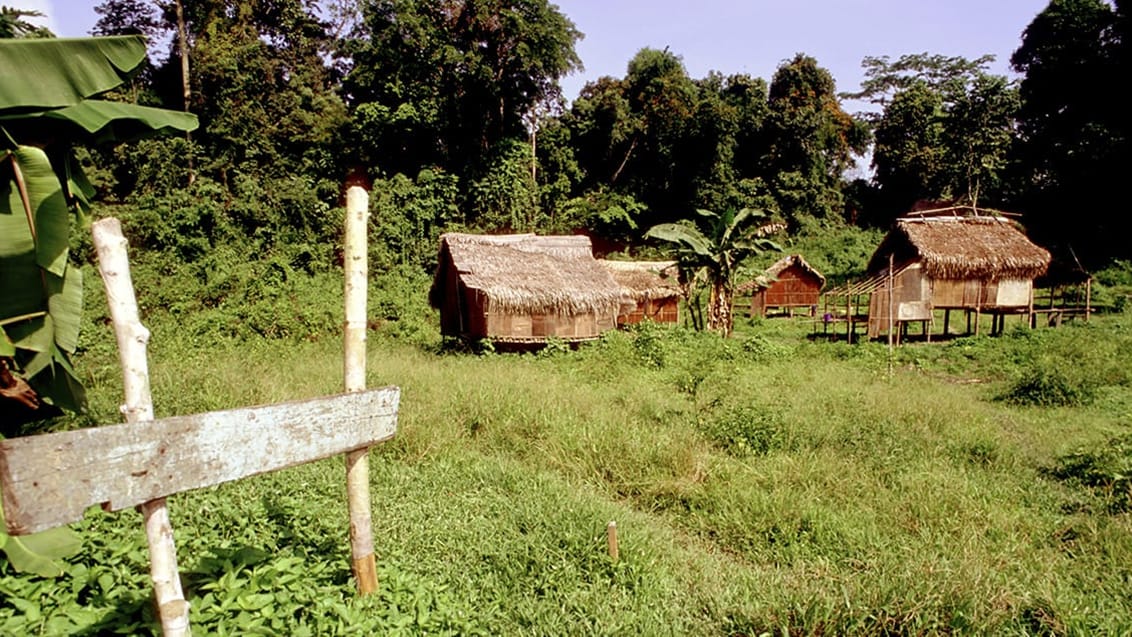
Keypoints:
(132, 336)
(363, 560)
(946, 320)
(1088, 298)
(891, 304)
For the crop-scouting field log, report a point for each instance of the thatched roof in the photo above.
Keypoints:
(528, 274)
(770, 275)
(962, 247)
(645, 280)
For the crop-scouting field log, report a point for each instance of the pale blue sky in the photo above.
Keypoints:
(753, 36)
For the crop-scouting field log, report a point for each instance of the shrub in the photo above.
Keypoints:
(1045, 385)
(747, 430)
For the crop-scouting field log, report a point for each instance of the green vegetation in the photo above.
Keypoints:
(775, 482)
(762, 483)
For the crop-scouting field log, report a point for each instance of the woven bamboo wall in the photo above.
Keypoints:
(794, 287)
(657, 311)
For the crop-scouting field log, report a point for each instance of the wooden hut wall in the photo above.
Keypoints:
(453, 316)
(758, 302)
(664, 310)
(794, 288)
(1013, 293)
(504, 325)
(476, 311)
(971, 294)
(911, 291)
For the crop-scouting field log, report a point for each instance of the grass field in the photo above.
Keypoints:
(767, 484)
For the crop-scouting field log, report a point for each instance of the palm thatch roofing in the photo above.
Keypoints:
(528, 274)
(770, 275)
(953, 246)
(645, 280)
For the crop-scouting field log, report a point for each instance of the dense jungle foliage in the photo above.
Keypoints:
(453, 111)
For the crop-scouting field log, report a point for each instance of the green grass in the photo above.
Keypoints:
(766, 484)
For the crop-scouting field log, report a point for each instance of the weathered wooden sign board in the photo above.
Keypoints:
(51, 479)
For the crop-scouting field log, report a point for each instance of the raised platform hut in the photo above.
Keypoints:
(653, 285)
(788, 284)
(523, 289)
(956, 258)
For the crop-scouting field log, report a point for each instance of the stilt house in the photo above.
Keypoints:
(523, 289)
(652, 285)
(952, 259)
(787, 284)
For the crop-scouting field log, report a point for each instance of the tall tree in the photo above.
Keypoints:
(811, 140)
(945, 130)
(14, 24)
(1074, 145)
(442, 83)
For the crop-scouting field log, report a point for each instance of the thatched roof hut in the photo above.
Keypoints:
(788, 283)
(961, 247)
(953, 258)
(772, 273)
(523, 288)
(652, 285)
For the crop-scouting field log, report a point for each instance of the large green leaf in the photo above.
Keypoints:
(40, 553)
(51, 73)
(35, 334)
(49, 208)
(683, 235)
(98, 121)
(65, 307)
(53, 377)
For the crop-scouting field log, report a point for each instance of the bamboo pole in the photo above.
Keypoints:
(114, 265)
(612, 541)
(363, 561)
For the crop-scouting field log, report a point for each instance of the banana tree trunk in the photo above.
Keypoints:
(719, 309)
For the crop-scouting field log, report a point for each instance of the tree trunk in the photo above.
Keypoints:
(719, 309)
(186, 88)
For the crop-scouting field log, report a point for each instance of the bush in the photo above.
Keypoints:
(1050, 386)
(747, 430)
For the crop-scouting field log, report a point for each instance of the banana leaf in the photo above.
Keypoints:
(42, 74)
(98, 121)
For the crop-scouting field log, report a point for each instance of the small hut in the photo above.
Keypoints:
(523, 289)
(652, 285)
(955, 258)
(789, 283)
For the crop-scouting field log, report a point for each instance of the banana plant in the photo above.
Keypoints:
(48, 104)
(713, 250)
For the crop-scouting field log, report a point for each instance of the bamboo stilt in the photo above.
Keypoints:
(132, 336)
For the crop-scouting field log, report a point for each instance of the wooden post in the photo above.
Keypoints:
(611, 539)
(891, 304)
(114, 265)
(1030, 308)
(1088, 298)
(946, 320)
(363, 560)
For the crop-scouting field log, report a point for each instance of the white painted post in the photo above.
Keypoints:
(114, 265)
(363, 560)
